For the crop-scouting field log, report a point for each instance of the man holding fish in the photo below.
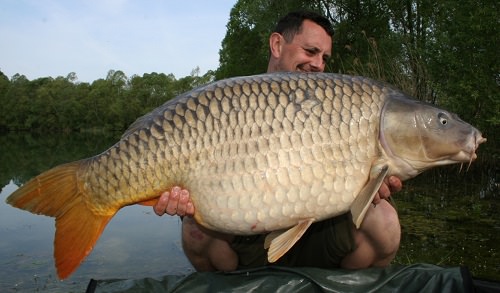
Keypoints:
(302, 41)
(286, 152)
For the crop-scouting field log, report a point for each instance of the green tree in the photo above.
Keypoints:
(42, 107)
(75, 111)
(464, 60)
(4, 88)
(193, 80)
(17, 103)
(68, 95)
(96, 103)
(117, 86)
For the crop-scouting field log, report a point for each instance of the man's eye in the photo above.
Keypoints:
(310, 51)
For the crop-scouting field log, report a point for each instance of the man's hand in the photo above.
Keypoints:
(175, 202)
(390, 185)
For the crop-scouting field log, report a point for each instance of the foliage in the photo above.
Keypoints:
(64, 104)
(464, 59)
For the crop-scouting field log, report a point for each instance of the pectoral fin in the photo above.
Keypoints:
(279, 242)
(365, 197)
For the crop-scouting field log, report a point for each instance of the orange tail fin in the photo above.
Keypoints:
(57, 193)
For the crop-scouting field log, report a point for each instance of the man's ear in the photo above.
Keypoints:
(276, 42)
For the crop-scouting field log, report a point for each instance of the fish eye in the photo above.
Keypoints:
(443, 118)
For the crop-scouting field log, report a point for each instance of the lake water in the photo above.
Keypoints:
(136, 243)
(449, 218)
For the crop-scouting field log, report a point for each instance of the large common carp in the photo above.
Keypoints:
(272, 152)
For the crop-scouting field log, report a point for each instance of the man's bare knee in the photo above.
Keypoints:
(377, 240)
(390, 223)
(194, 243)
(207, 250)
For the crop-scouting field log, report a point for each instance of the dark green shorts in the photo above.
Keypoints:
(323, 245)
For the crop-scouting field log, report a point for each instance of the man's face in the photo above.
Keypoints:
(308, 51)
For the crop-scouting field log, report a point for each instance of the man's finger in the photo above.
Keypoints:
(173, 202)
(183, 200)
(161, 204)
(384, 191)
(395, 184)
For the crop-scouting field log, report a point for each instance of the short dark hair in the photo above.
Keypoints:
(291, 24)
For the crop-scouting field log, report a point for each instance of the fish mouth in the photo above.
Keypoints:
(468, 154)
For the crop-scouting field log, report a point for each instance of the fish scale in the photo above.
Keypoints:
(231, 163)
(272, 152)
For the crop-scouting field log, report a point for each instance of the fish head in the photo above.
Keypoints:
(417, 136)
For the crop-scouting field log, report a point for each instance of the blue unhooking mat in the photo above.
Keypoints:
(413, 278)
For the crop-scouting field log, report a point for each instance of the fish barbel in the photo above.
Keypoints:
(272, 152)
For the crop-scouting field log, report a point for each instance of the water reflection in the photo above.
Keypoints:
(135, 244)
(448, 218)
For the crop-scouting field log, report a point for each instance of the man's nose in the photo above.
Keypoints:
(317, 65)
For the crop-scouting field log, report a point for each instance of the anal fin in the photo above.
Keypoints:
(279, 242)
(365, 197)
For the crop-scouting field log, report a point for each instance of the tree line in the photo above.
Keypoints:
(110, 104)
(443, 52)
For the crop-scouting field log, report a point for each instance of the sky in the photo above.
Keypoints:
(41, 38)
